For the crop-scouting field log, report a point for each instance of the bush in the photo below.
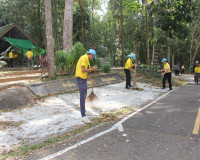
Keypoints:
(67, 60)
(149, 71)
(95, 62)
(106, 68)
(61, 59)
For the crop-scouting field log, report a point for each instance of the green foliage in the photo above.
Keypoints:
(106, 68)
(95, 62)
(134, 6)
(61, 60)
(67, 61)
(149, 71)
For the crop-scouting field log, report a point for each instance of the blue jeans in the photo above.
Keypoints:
(82, 85)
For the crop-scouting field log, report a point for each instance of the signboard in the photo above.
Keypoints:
(63, 85)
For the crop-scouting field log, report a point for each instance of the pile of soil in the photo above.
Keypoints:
(15, 97)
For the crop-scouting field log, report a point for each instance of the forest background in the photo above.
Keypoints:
(151, 29)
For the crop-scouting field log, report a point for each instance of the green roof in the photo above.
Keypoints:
(4, 29)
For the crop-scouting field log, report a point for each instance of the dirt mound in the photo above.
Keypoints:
(15, 97)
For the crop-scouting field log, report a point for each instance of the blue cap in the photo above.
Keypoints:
(132, 56)
(164, 60)
(91, 51)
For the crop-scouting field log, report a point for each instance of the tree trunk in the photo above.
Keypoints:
(93, 25)
(168, 48)
(49, 34)
(57, 42)
(196, 50)
(173, 62)
(68, 25)
(154, 39)
(138, 42)
(122, 32)
(192, 45)
(82, 33)
(147, 34)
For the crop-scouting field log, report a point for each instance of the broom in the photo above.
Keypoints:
(92, 97)
(134, 85)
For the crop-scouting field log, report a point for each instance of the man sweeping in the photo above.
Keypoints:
(128, 69)
(82, 70)
(166, 73)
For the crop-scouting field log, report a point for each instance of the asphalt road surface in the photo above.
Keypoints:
(166, 130)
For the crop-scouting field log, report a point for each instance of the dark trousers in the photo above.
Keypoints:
(128, 77)
(82, 85)
(177, 72)
(167, 76)
(183, 71)
(197, 76)
(10, 64)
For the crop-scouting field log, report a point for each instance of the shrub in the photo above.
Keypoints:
(67, 60)
(95, 62)
(106, 68)
(61, 60)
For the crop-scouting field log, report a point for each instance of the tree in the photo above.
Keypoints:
(122, 32)
(49, 35)
(147, 34)
(68, 25)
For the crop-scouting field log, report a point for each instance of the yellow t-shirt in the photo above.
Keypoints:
(129, 64)
(10, 55)
(197, 69)
(167, 66)
(15, 56)
(183, 67)
(29, 54)
(83, 61)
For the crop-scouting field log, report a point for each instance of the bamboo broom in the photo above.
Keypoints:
(92, 97)
(134, 85)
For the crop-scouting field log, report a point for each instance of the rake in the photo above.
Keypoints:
(92, 97)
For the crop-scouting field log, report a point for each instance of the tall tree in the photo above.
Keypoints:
(49, 35)
(68, 25)
(82, 33)
(122, 32)
(93, 30)
(147, 34)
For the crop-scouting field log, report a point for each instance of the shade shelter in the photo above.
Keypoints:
(13, 31)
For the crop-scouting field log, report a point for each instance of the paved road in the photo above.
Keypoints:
(166, 130)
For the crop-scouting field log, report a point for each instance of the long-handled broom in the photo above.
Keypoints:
(134, 85)
(92, 97)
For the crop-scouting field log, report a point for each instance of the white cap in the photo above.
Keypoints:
(197, 61)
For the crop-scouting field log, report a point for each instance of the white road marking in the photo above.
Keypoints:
(104, 132)
(120, 127)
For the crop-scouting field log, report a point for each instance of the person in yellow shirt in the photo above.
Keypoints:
(197, 73)
(166, 73)
(10, 59)
(82, 70)
(128, 69)
(182, 69)
(29, 56)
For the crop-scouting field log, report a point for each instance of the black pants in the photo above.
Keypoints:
(128, 77)
(177, 72)
(10, 64)
(167, 76)
(197, 76)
